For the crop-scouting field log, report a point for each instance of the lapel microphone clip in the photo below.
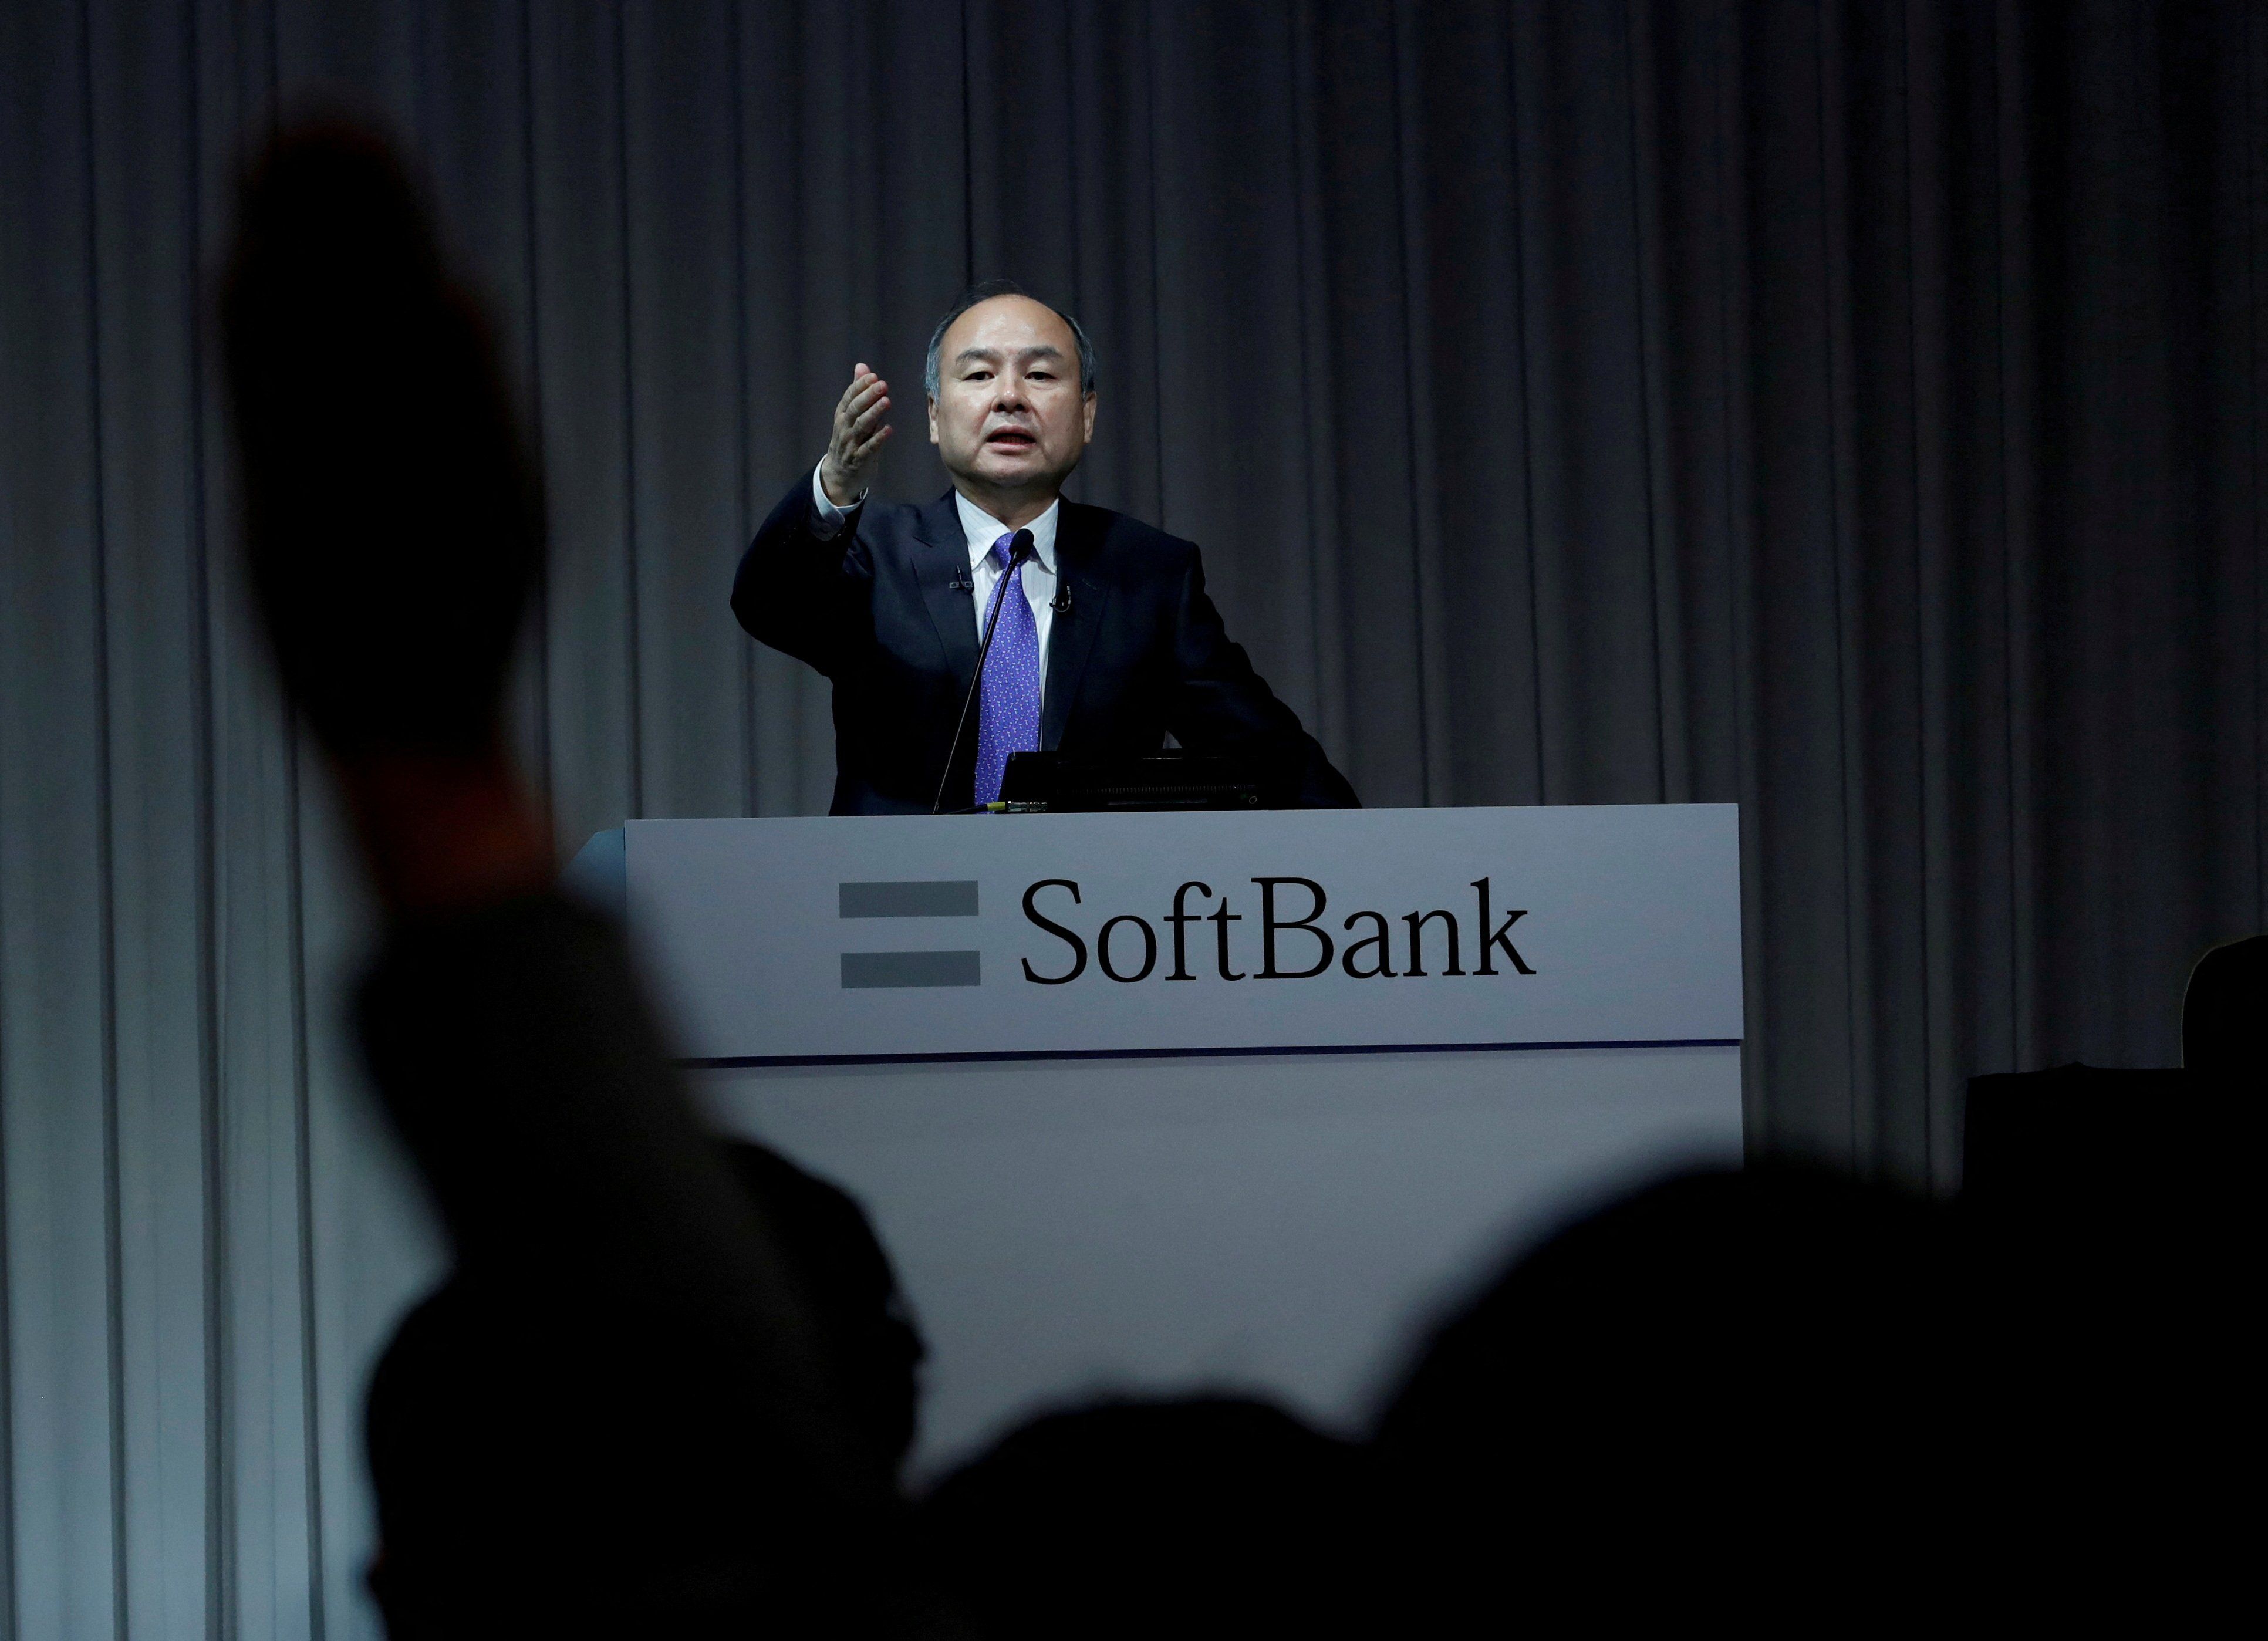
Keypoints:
(1060, 604)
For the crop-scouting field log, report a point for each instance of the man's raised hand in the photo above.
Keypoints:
(854, 453)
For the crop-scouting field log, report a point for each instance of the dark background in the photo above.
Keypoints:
(1852, 411)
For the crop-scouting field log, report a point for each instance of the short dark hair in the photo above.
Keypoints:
(984, 292)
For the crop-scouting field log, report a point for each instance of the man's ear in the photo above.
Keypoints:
(933, 418)
(1088, 407)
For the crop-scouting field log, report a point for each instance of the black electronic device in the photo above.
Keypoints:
(1242, 777)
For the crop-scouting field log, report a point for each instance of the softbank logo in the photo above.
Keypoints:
(935, 898)
(1126, 948)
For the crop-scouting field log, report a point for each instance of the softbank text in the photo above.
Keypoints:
(1126, 947)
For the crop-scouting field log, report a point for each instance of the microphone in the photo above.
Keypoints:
(1020, 554)
(959, 583)
(1061, 604)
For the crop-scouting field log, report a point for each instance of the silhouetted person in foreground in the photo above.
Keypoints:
(1729, 1394)
(2225, 1015)
(2112, 1220)
(1210, 1517)
(671, 1454)
(460, 1418)
(866, 1332)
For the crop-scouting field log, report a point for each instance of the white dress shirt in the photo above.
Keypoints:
(982, 529)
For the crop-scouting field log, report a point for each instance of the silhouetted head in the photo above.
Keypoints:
(509, 1431)
(862, 1319)
(1727, 1377)
(2224, 1012)
(1148, 1518)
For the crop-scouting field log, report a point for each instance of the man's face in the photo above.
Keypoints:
(1008, 413)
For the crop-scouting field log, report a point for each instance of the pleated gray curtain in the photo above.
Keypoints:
(1853, 411)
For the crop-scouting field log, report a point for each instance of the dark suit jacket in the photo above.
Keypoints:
(1140, 652)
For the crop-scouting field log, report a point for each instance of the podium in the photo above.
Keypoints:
(1150, 1103)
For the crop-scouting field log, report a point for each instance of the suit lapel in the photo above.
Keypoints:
(1070, 638)
(940, 560)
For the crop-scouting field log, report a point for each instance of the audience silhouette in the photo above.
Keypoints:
(1725, 1393)
(1211, 1516)
(669, 1387)
(2222, 1031)
(468, 1407)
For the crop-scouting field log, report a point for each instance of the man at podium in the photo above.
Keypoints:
(1102, 639)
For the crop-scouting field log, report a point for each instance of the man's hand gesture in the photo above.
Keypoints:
(854, 454)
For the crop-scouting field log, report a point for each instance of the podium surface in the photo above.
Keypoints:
(1158, 1102)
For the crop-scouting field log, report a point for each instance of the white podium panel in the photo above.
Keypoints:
(1056, 934)
(1234, 1142)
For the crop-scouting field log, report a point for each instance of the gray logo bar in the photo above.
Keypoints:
(863, 970)
(937, 898)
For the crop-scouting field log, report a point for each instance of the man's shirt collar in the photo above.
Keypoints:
(982, 529)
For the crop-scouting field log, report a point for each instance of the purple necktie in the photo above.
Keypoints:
(1008, 713)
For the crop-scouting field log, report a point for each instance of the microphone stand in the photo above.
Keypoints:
(1019, 555)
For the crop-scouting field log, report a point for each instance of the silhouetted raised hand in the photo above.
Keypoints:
(394, 516)
(662, 1445)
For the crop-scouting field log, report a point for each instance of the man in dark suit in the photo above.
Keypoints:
(1112, 645)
